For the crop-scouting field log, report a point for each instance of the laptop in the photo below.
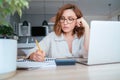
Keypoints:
(104, 46)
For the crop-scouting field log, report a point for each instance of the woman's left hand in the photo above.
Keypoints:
(81, 22)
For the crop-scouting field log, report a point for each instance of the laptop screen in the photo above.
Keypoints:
(104, 44)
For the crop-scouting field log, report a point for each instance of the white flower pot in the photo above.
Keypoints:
(8, 56)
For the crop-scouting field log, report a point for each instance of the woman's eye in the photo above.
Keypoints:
(71, 19)
(62, 18)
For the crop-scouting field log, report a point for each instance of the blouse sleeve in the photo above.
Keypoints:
(44, 44)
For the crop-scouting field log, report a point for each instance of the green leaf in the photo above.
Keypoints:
(19, 12)
(6, 30)
(8, 7)
(8, 1)
(1, 3)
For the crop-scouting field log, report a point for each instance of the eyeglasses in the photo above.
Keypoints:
(69, 20)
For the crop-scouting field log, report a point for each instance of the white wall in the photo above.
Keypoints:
(90, 18)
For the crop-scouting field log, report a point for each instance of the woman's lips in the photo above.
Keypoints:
(65, 27)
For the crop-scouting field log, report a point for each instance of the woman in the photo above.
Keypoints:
(69, 39)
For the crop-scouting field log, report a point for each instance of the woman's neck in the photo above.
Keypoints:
(68, 35)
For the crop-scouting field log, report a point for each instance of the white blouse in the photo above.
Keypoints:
(57, 47)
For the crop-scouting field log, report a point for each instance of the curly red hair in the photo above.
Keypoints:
(57, 27)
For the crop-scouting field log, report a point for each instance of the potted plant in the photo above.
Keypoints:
(8, 46)
(6, 31)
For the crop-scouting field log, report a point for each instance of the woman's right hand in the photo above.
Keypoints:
(37, 56)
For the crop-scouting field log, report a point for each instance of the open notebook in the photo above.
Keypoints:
(26, 63)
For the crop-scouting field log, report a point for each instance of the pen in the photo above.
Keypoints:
(38, 45)
(39, 48)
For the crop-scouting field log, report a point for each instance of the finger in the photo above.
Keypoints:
(37, 58)
(39, 52)
(78, 24)
(34, 58)
(40, 55)
(43, 53)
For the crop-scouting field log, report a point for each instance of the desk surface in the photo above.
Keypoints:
(76, 72)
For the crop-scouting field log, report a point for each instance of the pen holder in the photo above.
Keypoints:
(8, 55)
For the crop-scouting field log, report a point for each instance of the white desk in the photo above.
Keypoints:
(77, 72)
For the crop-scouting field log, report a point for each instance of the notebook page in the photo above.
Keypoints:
(26, 63)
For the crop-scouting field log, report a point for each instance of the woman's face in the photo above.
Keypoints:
(68, 21)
